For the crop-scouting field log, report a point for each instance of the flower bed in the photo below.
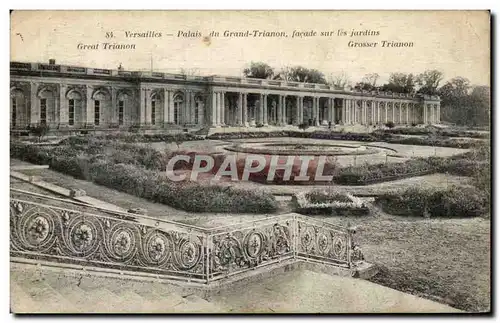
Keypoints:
(328, 202)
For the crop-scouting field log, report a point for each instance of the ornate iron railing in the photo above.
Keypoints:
(67, 232)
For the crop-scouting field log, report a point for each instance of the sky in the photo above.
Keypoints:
(454, 42)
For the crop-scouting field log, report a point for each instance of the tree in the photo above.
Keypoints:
(464, 104)
(371, 79)
(429, 81)
(362, 86)
(259, 70)
(400, 83)
(301, 74)
(340, 80)
(189, 71)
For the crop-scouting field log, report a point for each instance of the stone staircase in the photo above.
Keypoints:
(34, 290)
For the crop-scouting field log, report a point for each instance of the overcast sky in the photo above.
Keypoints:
(454, 42)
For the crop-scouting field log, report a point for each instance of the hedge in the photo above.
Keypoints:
(456, 201)
(148, 184)
(372, 173)
(439, 132)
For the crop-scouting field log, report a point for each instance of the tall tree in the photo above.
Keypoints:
(464, 104)
(259, 70)
(301, 74)
(340, 80)
(429, 81)
(371, 79)
(400, 82)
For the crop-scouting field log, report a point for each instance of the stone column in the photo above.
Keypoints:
(364, 113)
(401, 112)
(223, 108)
(213, 108)
(439, 113)
(266, 111)
(113, 114)
(352, 106)
(279, 111)
(393, 105)
(425, 114)
(261, 109)
(386, 106)
(171, 105)
(63, 106)
(90, 106)
(165, 115)
(372, 108)
(143, 118)
(315, 111)
(239, 110)
(407, 113)
(331, 111)
(34, 104)
(217, 108)
(245, 109)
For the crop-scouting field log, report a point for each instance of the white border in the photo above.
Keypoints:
(205, 5)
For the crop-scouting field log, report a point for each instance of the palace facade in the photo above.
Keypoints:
(73, 98)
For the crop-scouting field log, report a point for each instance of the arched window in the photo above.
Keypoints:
(101, 100)
(19, 114)
(123, 98)
(46, 102)
(197, 107)
(74, 107)
(178, 104)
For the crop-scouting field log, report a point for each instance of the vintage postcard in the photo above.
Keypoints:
(250, 162)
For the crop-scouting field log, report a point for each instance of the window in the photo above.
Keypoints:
(153, 112)
(71, 112)
(176, 113)
(121, 104)
(97, 114)
(43, 111)
(196, 111)
(14, 112)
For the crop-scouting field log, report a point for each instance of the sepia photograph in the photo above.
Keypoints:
(244, 162)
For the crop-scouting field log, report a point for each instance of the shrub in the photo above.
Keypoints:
(39, 130)
(390, 125)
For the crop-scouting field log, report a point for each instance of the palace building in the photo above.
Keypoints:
(76, 98)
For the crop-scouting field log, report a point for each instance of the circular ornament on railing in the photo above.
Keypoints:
(157, 248)
(37, 228)
(187, 254)
(83, 235)
(254, 244)
(122, 242)
(338, 247)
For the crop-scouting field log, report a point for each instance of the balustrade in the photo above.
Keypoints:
(66, 232)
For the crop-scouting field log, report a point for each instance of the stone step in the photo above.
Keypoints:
(50, 301)
(20, 301)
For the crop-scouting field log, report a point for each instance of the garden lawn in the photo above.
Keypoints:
(446, 260)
